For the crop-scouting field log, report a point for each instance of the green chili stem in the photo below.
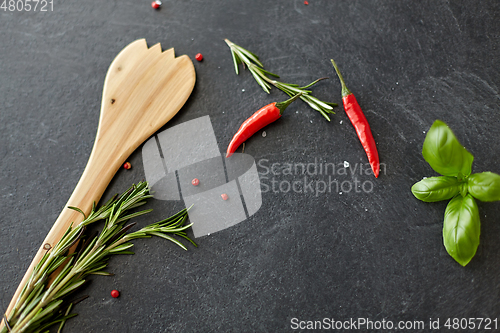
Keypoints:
(283, 105)
(345, 91)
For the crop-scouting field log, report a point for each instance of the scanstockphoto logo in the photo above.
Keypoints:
(185, 163)
(316, 177)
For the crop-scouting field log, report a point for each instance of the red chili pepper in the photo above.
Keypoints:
(360, 123)
(257, 121)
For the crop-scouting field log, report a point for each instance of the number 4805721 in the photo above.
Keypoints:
(471, 323)
(27, 5)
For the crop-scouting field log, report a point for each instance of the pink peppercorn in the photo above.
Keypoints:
(195, 182)
(127, 166)
(156, 4)
(224, 196)
(199, 57)
(115, 293)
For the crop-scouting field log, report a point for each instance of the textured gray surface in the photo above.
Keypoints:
(376, 255)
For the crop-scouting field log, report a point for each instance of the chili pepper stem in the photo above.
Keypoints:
(345, 91)
(283, 105)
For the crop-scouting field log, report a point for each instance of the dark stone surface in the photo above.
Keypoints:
(373, 255)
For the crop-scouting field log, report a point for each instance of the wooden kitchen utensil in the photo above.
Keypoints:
(144, 88)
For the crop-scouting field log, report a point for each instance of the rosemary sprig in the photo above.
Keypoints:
(256, 68)
(42, 302)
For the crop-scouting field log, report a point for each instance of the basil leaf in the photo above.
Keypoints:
(485, 186)
(461, 228)
(436, 188)
(444, 153)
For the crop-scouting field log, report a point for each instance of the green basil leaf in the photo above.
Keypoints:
(444, 153)
(461, 228)
(485, 186)
(436, 188)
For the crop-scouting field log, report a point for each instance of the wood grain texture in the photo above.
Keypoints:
(144, 88)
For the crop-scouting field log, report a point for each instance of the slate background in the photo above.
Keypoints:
(373, 255)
